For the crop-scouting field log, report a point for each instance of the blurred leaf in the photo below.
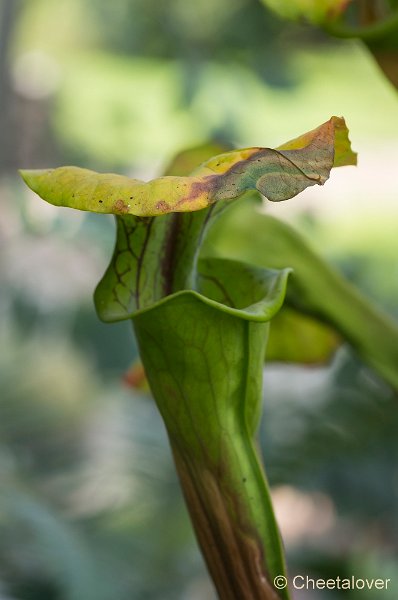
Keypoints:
(188, 160)
(377, 24)
(377, 27)
(315, 287)
(59, 553)
(316, 11)
(380, 34)
(297, 337)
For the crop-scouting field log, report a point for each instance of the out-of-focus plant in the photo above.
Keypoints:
(315, 11)
(374, 23)
(202, 326)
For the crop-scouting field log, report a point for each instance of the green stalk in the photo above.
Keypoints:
(204, 367)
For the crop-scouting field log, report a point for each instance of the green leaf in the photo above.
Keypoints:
(153, 258)
(278, 174)
(316, 11)
(299, 338)
(241, 289)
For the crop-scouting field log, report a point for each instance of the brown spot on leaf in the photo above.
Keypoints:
(120, 206)
(162, 206)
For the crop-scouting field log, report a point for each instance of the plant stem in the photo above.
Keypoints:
(231, 546)
(204, 368)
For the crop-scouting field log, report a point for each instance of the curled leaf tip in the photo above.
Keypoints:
(332, 134)
(279, 174)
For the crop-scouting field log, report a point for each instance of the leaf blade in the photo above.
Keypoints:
(278, 174)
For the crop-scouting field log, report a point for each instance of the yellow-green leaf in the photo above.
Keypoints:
(278, 174)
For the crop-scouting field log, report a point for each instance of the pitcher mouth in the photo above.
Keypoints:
(265, 301)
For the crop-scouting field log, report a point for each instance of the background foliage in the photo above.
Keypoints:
(90, 506)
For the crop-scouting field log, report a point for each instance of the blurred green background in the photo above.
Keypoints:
(90, 507)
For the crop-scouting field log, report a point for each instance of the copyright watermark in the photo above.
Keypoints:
(280, 582)
(304, 582)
